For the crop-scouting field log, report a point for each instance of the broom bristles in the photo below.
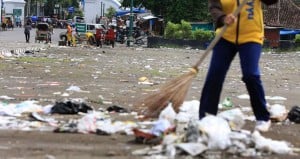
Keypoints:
(172, 92)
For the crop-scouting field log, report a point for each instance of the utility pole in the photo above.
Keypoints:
(1, 7)
(28, 7)
(278, 12)
(130, 24)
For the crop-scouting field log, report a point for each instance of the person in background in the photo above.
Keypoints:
(74, 34)
(69, 34)
(244, 35)
(50, 32)
(18, 21)
(27, 29)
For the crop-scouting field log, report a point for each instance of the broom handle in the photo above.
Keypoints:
(218, 36)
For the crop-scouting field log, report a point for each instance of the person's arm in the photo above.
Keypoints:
(269, 2)
(215, 9)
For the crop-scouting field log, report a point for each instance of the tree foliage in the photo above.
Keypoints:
(110, 12)
(181, 30)
(175, 10)
(50, 5)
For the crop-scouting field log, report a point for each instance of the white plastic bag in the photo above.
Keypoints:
(269, 145)
(217, 130)
(168, 113)
(87, 124)
(160, 127)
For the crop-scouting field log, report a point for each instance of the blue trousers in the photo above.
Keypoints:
(223, 54)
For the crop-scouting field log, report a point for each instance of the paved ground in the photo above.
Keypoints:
(112, 73)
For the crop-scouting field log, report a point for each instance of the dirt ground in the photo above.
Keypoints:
(109, 76)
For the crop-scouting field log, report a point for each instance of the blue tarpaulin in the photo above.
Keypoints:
(289, 32)
(34, 18)
(135, 10)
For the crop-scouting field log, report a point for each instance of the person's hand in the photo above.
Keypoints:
(230, 19)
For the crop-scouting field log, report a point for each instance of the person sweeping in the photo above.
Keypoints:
(174, 92)
(244, 36)
(69, 34)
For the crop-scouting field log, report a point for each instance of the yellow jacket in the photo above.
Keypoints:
(249, 26)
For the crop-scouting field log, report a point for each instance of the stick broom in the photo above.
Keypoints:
(175, 90)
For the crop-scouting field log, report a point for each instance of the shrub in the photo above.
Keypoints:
(203, 35)
(178, 34)
(297, 38)
(186, 29)
(178, 31)
(170, 30)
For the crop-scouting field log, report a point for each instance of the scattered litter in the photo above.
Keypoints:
(143, 79)
(161, 126)
(227, 103)
(168, 113)
(190, 109)
(65, 95)
(269, 145)
(192, 134)
(107, 127)
(27, 107)
(275, 98)
(87, 124)
(192, 149)
(70, 107)
(156, 150)
(235, 118)
(146, 83)
(76, 89)
(69, 127)
(6, 97)
(116, 108)
(145, 137)
(38, 117)
(170, 136)
(278, 112)
(216, 130)
(244, 96)
(294, 114)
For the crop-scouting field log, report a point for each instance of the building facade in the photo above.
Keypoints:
(94, 9)
(14, 8)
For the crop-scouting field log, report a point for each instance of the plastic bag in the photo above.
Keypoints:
(217, 130)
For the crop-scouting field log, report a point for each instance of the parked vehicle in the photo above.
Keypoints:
(105, 37)
(82, 30)
(110, 37)
(62, 24)
(9, 20)
(78, 19)
(42, 33)
(121, 35)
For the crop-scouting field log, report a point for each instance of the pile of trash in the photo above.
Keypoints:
(30, 116)
(183, 134)
(171, 135)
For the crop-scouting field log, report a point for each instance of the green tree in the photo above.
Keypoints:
(110, 12)
(175, 10)
(50, 5)
(181, 30)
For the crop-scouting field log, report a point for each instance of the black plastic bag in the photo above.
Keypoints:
(116, 108)
(70, 108)
(294, 114)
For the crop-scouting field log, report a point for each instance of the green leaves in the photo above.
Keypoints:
(176, 10)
